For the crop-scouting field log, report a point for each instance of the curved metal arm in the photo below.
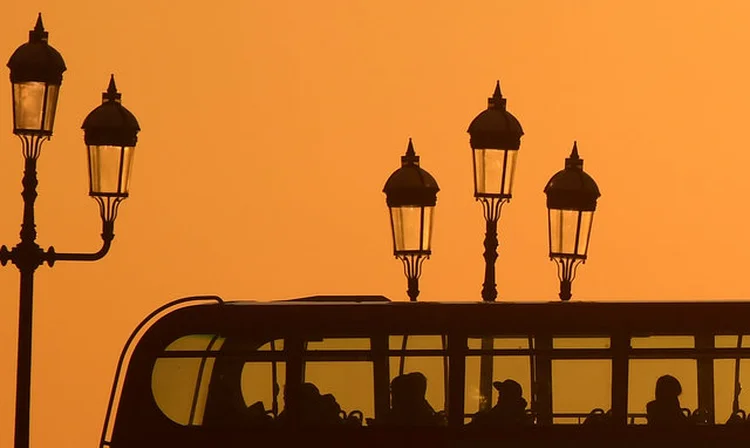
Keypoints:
(108, 235)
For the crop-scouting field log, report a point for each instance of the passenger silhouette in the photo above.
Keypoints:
(305, 406)
(409, 407)
(510, 409)
(329, 410)
(257, 415)
(598, 418)
(664, 410)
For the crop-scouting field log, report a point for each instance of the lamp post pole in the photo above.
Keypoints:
(27, 255)
(572, 195)
(495, 139)
(411, 196)
(36, 76)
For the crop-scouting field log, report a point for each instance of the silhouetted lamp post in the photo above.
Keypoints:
(411, 195)
(110, 134)
(571, 202)
(495, 136)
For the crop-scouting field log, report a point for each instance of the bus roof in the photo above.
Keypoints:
(362, 315)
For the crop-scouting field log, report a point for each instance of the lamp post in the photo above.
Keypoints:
(495, 137)
(411, 195)
(110, 134)
(571, 202)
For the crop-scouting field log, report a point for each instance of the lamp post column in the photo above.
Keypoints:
(489, 288)
(23, 368)
(495, 137)
(28, 258)
(492, 207)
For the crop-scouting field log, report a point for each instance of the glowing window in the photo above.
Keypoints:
(180, 384)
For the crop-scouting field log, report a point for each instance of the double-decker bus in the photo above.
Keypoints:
(201, 372)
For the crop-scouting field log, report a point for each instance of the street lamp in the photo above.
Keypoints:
(110, 134)
(495, 136)
(495, 139)
(571, 202)
(411, 195)
(36, 75)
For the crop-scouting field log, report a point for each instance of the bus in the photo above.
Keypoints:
(203, 372)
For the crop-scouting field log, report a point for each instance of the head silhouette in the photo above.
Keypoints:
(300, 394)
(509, 390)
(408, 388)
(667, 388)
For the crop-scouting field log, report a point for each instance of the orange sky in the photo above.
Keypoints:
(269, 129)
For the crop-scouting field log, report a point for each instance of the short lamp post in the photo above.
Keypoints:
(571, 202)
(411, 195)
(110, 134)
(495, 137)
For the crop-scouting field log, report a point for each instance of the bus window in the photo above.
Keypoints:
(431, 366)
(350, 381)
(565, 343)
(504, 367)
(730, 341)
(339, 344)
(724, 390)
(578, 387)
(258, 378)
(725, 378)
(662, 342)
(643, 374)
(642, 377)
(180, 384)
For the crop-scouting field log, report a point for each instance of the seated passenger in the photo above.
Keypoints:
(737, 417)
(409, 407)
(664, 410)
(305, 406)
(598, 418)
(330, 410)
(510, 409)
(257, 415)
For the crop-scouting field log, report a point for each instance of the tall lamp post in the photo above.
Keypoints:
(110, 135)
(571, 202)
(495, 137)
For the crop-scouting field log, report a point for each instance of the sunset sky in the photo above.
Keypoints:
(270, 127)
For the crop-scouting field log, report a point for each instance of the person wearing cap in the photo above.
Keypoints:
(510, 409)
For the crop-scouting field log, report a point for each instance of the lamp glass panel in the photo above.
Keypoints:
(493, 171)
(412, 228)
(34, 106)
(569, 231)
(109, 169)
(587, 219)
